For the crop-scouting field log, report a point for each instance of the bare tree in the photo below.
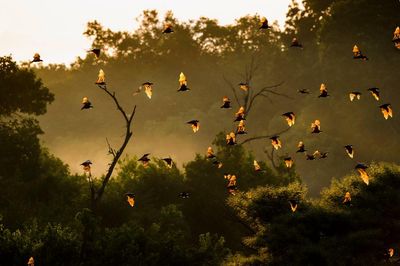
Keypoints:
(247, 98)
(97, 193)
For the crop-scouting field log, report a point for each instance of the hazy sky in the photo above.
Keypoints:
(54, 28)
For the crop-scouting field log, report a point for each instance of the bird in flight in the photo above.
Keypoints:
(183, 83)
(195, 124)
(361, 168)
(301, 147)
(349, 150)
(226, 103)
(239, 115)
(96, 52)
(264, 23)
(241, 128)
(145, 160)
(86, 166)
(210, 153)
(167, 28)
(231, 139)
(231, 183)
(218, 164)
(347, 199)
(257, 167)
(101, 79)
(148, 89)
(354, 95)
(31, 262)
(293, 205)
(375, 93)
(290, 118)
(244, 86)
(168, 161)
(396, 37)
(86, 104)
(316, 126)
(386, 110)
(36, 58)
(276, 143)
(323, 92)
(288, 162)
(357, 53)
(130, 198)
(296, 43)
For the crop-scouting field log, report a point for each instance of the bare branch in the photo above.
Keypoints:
(233, 89)
(264, 136)
(110, 149)
(116, 153)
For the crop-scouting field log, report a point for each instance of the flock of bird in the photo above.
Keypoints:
(290, 118)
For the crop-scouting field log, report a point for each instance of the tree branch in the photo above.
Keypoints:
(264, 136)
(233, 89)
(116, 153)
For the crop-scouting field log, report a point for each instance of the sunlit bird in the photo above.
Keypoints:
(386, 110)
(357, 53)
(290, 118)
(184, 195)
(101, 79)
(167, 28)
(226, 103)
(361, 168)
(241, 128)
(231, 183)
(257, 167)
(210, 153)
(391, 252)
(293, 205)
(244, 86)
(183, 83)
(86, 166)
(316, 126)
(195, 124)
(375, 93)
(310, 157)
(276, 143)
(320, 155)
(354, 95)
(301, 147)
(264, 23)
(147, 87)
(323, 91)
(296, 43)
(145, 160)
(239, 115)
(347, 198)
(168, 161)
(31, 262)
(130, 198)
(288, 162)
(36, 58)
(218, 164)
(86, 104)
(231, 139)
(396, 37)
(349, 150)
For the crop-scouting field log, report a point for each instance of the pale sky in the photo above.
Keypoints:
(54, 28)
